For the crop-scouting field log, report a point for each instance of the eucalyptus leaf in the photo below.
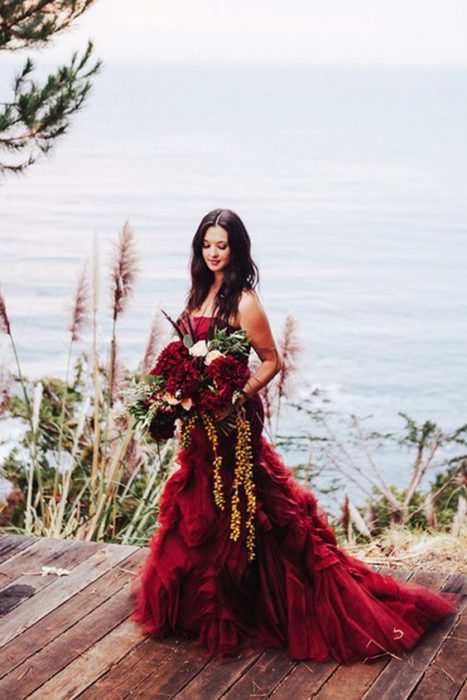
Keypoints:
(152, 378)
(187, 341)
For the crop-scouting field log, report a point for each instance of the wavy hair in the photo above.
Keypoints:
(240, 273)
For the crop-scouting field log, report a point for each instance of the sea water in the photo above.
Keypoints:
(352, 185)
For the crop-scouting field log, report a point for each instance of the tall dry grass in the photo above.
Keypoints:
(106, 478)
(398, 547)
(348, 458)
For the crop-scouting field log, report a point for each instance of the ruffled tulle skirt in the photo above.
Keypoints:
(301, 592)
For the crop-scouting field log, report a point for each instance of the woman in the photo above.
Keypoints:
(300, 591)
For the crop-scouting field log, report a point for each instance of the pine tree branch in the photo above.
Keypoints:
(38, 114)
(27, 23)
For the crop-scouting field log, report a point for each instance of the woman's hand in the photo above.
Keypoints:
(220, 415)
(230, 407)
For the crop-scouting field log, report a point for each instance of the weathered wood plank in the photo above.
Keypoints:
(215, 678)
(11, 537)
(308, 677)
(64, 650)
(182, 665)
(350, 682)
(462, 695)
(125, 676)
(42, 551)
(90, 665)
(69, 613)
(81, 644)
(446, 674)
(13, 596)
(399, 678)
(33, 582)
(305, 679)
(60, 590)
(6, 534)
(261, 678)
(11, 544)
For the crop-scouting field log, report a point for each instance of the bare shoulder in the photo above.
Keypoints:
(249, 304)
(253, 319)
(251, 314)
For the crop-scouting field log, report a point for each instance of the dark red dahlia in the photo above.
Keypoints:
(228, 371)
(225, 374)
(186, 378)
(169, 358)
(163, 424)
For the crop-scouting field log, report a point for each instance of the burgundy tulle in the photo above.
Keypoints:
(301, 592)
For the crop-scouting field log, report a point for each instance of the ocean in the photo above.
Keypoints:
(351, 182)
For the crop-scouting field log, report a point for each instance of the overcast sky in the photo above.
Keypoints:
(275, 31)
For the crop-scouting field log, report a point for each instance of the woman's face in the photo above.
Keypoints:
(216, 249)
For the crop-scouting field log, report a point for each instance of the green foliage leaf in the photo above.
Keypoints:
(38, 114)
(187, 341)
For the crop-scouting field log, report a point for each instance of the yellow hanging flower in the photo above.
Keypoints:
(243, 475)
(213, 437)
(188, 426)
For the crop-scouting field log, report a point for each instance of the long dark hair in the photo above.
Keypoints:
(241, 272)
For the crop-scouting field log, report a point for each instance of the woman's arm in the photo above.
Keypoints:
(253, 319)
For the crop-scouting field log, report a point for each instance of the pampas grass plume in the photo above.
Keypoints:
(150, 353)
(345, 517)
(290, 350)
(4, 320)
(123, 271)
(80, 315)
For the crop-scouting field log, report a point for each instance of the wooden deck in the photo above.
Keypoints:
(69, 637)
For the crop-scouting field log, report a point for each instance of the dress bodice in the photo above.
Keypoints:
(201, 325)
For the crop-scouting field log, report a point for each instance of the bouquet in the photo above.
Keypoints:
(190, 377)
(191, 380)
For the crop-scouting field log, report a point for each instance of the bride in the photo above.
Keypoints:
(300, 591)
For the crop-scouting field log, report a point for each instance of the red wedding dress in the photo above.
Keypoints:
(301, 592)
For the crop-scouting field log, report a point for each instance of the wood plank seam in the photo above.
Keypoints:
(43, 602)
(25, 648)
(392, 675)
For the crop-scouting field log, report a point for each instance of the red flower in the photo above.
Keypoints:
(169, 358)
(226, 374)
(227, 370)
(210, 387)
(185, 377)
(163, 424)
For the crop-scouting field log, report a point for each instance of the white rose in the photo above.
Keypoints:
(212, 355)
(199, 349)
